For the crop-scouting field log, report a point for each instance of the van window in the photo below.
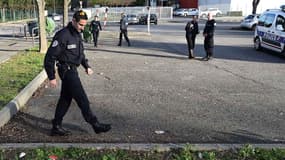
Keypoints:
(280, 21)
(261, 20)
(269, 20)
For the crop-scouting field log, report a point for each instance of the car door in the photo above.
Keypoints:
(266, 31)
(280, 32)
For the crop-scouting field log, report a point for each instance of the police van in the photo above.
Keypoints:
(270, 30)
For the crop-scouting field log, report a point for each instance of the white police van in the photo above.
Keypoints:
(270, 30)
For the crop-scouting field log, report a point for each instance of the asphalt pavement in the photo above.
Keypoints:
(151, 93)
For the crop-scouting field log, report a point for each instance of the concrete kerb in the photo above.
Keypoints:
(21, 99)
(138, 146)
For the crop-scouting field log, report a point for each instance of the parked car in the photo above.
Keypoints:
(180, 12)
(193, 12)
(250, 21)
(55, 16)
(186, 12)
(214, 11)
(132, 19)
(143, 19)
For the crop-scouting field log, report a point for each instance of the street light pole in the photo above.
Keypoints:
(53, 6)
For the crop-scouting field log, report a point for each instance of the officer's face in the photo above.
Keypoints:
(79, 26)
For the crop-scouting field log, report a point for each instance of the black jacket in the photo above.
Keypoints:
(66, 48)
(210, 28)
(192, 28)
(95, 26)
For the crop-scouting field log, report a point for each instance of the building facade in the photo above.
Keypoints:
(188, 3)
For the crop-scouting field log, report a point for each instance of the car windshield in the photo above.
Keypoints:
(132, 16)
(249, 17)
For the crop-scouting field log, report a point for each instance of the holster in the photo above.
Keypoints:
(63, 68)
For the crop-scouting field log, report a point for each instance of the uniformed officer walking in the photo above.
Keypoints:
(124, 29)
(192, 29)
(66, 51)
(209, 37)
(95, 27)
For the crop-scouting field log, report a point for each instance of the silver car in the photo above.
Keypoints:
(250, 21)
(132, 19)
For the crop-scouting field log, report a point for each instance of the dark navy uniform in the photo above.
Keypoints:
(66, 50)
(192, 29)
(209, 37)
(95, 26)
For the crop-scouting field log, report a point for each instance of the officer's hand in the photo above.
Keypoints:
(89, 71)
(52, 83)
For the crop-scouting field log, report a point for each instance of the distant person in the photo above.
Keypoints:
(124, 29)
(66, 50)
(192, 29)
(95, 27)
(209, 37)
(105, 17)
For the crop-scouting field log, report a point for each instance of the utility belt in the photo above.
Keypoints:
(67, 66)
(64, 67)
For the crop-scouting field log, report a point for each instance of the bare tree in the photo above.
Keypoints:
(42, 25)
(65, 12)
(254, 6)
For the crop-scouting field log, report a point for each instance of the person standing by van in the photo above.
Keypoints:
(192, 29)
(209, 37)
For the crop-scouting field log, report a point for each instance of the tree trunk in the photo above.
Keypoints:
(42, 26)
(254, 6)
(65, 12)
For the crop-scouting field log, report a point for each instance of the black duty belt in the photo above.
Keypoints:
(67, 66)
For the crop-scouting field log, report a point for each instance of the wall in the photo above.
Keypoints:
(188, 3)
(240, 5)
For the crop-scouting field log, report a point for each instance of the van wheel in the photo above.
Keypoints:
(257, 44)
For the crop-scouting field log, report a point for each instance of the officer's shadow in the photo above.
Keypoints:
(41, 125)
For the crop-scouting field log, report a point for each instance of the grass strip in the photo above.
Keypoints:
(17, 72)
(247, 152)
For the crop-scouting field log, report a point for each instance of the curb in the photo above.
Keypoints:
(139, 146)
(21, 99)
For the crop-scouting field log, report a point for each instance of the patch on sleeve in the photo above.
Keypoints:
(55, 43)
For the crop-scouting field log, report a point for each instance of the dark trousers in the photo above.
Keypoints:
(125, 33)
(209, 45)
(71, 88)
(190, 42)
(95, 37)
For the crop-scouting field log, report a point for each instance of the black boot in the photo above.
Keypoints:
(100, 127)
(57, 130)
(191, 54)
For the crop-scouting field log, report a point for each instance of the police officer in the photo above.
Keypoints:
(209, 37)
(67, 51)
(95, 26)
(192, 29)
(124, 29)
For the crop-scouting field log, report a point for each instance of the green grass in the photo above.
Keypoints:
(245, 153)
(17, 72)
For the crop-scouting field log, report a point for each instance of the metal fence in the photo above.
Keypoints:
(7, 15)
(114, 13)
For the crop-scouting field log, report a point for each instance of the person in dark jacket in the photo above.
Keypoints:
(192, 29)
(95, 27)
(66, 50)
(124, 29)
(209, 37)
